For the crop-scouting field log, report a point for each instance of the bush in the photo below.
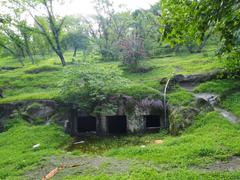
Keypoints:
(88, 86)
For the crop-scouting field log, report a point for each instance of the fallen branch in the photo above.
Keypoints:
(56, 170)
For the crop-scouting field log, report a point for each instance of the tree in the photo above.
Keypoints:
(146, 27)
(76, 35)
(132, 50)
(196, 19)
(76, 40)
(16, 36)
(49, 25)
(107, 28)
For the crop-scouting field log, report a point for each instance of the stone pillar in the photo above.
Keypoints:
(135, 122)
(103, 125)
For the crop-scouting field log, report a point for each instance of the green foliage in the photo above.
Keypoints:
(88, 86)
(183, 20)
(16, 150)
(17, 85)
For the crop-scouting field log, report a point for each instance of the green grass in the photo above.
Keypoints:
(40, 69)
(210, 138)
(20, 85)
(181, 64)
(232, 103)
(218, 86)
(228, 91)
(100, 145)
(180, 97)
(16, 152)
(151, 173)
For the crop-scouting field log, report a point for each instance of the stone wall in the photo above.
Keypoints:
(134, 110)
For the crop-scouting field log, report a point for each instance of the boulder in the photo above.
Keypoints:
(207, 100)
(180, 118)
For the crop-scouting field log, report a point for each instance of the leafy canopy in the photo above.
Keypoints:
(194, 19)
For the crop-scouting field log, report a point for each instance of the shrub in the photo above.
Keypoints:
(88, 86)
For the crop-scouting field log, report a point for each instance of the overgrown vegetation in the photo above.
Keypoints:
(120, 53)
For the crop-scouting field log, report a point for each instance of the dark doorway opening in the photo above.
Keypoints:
(152, 122)
(117, 124)
(86, 124)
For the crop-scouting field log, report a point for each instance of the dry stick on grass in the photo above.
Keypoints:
(56, 170)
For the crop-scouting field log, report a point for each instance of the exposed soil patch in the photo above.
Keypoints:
(81, 165)
(233, 164)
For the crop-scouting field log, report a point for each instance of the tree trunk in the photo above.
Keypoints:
(59, 50)
(84, 55)
(190, 48)
(60, 55)
(74, 54)
(28, 51)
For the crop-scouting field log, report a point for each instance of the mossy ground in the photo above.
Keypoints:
(211, 138)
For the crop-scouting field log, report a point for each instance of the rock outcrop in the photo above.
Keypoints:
(197, 78)
(35, 112)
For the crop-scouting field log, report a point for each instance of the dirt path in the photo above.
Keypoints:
(233, 164)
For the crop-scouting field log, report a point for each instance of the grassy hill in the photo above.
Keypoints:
(209, 149)
(41, 81)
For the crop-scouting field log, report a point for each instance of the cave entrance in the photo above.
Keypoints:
(117, 124)
(152, 122)
(86, 124)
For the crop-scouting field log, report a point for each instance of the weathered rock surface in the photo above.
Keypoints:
(180, 118)
(35, 112)
(197, 78)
